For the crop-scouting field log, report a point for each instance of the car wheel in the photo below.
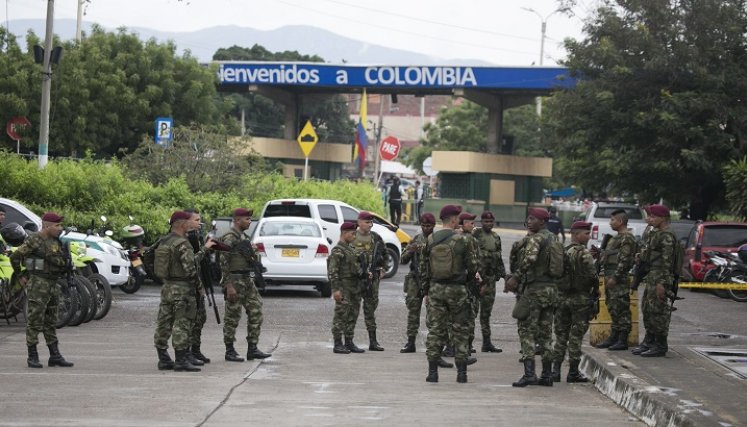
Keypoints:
(325, 288)
(392, 266)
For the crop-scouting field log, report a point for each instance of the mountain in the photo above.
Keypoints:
(308, 40)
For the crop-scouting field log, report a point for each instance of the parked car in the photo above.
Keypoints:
(710, 236)
(599, 213)
(294, 251)
(330, 214)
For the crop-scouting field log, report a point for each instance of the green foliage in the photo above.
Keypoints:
(735, 177)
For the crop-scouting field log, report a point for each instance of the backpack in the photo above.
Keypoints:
(148, 256)
(442, 258)
(564, 283)
(555, 257)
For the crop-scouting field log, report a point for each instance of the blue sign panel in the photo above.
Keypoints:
(405, 77)
(164, 131)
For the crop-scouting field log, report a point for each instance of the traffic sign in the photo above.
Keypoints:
(164, 131)
(307, 139)
(428, 167)
(389, 149)
(15, 127)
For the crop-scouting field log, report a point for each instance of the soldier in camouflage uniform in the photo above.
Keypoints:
(364, 242)
(345, 272)
(530, 278)
(412, 254)
(615, 262)
(175, 264)
(577, 291)
(474, 288)
(648, 338)
(194, 354)
(240, 289)
(447, 263)
(491, 270)
(42, 255)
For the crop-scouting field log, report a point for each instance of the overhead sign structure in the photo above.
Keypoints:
(15, 127)
(164, 131)
(389, 149)
(307, 139)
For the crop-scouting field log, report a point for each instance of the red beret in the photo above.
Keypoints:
(449, 211)
(52, 217)
(658, 210)
(243, 212)
(466, 216)
(366, 216)
(581, 225)
(539, 213)
(487, 215)
(176, 216)
(428, 218)
(348, 226)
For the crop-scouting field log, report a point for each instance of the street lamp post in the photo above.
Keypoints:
(542, 43)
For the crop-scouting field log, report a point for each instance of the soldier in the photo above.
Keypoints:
(492, 270)
(615, 262)
(466, 227)
(345, 272)
(45, 263)
(239, 288)
(532, 280)
(367, 241)
(413, 284)
(648, 338)
(175, 265)
(447, 263)
(576, 297)
(194, 354)
(659, 257)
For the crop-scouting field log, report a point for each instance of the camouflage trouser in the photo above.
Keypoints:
(448, 304)
(474, 307)
(43, 299)
(656, 313)
(537, 328)
(618, 304)
(251, 301)
(485, 305)
(414, 304)
(176, 313)
(571, 323)
(370, 303)
(347, 310)
(195, 336)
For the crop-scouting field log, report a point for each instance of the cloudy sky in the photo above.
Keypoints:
(497, 31)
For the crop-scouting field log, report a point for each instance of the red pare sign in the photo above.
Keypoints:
(389, 149)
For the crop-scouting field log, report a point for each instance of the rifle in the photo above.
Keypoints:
(69, 268)
(370, 270)
(256, 268)
(206, 270)
(594, 304)
(639, 272)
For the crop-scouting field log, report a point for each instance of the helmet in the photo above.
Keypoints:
(131, 231)
(13, 234)
(742, 251)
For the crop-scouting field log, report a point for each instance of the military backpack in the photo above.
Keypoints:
(443, 260)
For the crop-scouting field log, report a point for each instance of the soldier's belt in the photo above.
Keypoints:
(241, 272)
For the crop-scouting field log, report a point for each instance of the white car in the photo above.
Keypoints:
(294, 251)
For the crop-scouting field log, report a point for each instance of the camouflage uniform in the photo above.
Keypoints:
(365, 244)
(42, 292)
(236, 270)
(344, 272)
(616, 261)
(659, 256)
(413, 284)
(473, 288)
(491, 270)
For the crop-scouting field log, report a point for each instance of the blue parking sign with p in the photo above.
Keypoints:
(164, 131)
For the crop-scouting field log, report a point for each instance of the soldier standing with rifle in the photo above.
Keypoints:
(413, 285)
(466, 227)
(194, 354)
(372, 246)
(240, 289)
(492, 270)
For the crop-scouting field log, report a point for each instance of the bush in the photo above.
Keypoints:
(735, 178)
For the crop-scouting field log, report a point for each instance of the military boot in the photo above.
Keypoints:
(530, 377)
(444, 364)
(488, 347)
(448, 351)
(373, 344)
(182, 362)
(198, 354)
(432, 372)
(471, 360)
(164, 360)
(648, 340)
(574, 375)
(339, 347)
(231, 354)
(546, 376)
(192, 359)
(352, 347)
(611, 339)
(409, 347)
(621, 343)
(556, 371)
(55, 358)
(461, 372)
(254, 353)
(33, 359)
(657, 349)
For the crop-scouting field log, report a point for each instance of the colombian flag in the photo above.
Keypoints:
(359, 148)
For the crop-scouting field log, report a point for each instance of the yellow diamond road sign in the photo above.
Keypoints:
(307, 139)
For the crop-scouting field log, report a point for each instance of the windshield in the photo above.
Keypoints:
(729, 236)
(287, 210)
(290, 229)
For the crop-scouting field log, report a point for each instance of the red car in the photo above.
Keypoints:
(710, 236)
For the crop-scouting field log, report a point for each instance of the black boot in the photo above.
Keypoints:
(574, 375)
(432, 372)
(33, 359)
(198, 354)
(409, 347)
(254, 353)
(648, 340)
(556, 371)
(530, 377)
(339, 347)
(471, 360)
(352, 347)
(192, 359)
(546, 376)
(55, 358)
(373, 345)
(448, 351)
(488, 347)
(164, 360)
(461, 372)
(182, 362)
(657, 349)
(232, 355)
(444, 364)
(609, 341)
(622, 342)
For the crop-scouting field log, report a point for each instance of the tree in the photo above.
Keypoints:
(19, 84)
(659, 107)
(735, 177)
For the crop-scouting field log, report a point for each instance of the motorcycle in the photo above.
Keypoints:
(132, 236)
(728, 268)
(12, 293)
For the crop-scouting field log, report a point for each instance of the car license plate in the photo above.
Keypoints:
(136, 262)
(291, 253)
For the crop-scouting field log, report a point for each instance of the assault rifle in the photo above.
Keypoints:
(207, 270)
(594, 304)
(639, 272)
(69, 267)
(256, 268)
(369, 269)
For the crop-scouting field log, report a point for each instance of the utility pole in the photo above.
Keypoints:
(542, 43)
(377, 131)
(46, 88)
(79, 22)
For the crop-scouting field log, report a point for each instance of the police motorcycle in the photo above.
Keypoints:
(729, 267)
(132, 236)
